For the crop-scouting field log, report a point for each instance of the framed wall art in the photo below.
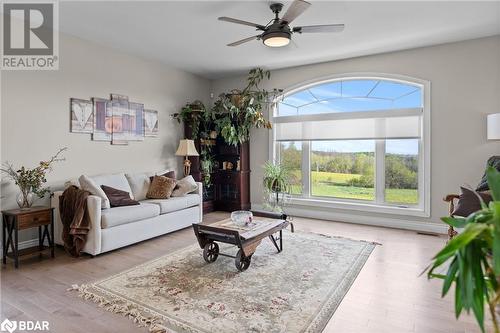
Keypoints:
(114, 120)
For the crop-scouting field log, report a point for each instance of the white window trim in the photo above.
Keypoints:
(424, 175)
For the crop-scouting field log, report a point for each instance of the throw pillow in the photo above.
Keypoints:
(493, 161)
(184, 186)
(72, 182)
(118, 197)
(169, 174)
(139, 183)
(161, 188)
(469, 203)
(88, 184)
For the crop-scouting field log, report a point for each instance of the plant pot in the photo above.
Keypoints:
(25, 199)
(236, 98)
(276, 187)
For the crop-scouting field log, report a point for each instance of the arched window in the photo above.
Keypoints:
(356, 141)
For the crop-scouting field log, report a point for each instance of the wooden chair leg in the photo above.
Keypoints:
(451, 233)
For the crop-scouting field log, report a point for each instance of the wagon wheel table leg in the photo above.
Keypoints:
(241, 262)
(210, 252)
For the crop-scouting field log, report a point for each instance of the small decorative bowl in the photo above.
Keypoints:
(241, 217)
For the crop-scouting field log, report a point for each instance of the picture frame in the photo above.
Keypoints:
(103, 119)
(82, 116)
(136, 120)
(151, 123)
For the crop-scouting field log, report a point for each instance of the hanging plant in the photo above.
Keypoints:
(238, 111)
(191, 114)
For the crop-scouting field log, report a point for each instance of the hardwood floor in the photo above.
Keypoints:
(387, 296)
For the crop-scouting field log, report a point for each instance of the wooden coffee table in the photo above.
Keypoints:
(245, 238)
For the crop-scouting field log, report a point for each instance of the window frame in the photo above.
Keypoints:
(378, 205)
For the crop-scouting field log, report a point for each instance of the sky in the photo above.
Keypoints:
(351, 95)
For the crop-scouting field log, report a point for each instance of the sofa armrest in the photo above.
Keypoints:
(93, 244)
(450, 199)
(200, 192)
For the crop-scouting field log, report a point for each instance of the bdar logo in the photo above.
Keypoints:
(7, 325)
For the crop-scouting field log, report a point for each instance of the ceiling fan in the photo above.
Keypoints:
(278, 32)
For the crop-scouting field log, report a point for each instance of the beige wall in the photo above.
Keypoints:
(465, 87)
(35, 112)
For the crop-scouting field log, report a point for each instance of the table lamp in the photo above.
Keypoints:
(186, 148)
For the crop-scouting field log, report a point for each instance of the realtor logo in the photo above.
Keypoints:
(30, 39)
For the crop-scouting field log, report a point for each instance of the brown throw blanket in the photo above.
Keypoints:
(75, 219)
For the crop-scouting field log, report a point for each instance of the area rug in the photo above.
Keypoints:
(297, 290)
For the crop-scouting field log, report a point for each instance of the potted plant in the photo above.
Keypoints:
(30, 181)
(472, 258)
(276, 179)
(238, 111)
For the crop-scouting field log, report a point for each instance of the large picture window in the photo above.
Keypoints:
(355, 141)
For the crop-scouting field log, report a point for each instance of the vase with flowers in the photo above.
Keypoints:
(30, 181)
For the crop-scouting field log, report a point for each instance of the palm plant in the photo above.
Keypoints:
(473, 258)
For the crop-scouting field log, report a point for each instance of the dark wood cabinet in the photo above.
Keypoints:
(232, 187)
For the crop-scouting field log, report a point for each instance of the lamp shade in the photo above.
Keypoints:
(493, 125)
(186, 148)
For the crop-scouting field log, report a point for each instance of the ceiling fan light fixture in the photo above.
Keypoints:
(276, 39)
(278, 32)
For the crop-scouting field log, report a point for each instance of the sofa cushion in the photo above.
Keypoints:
(173, 204)
(118, 198)
(118, 181)
(128, 214)
(139, 183)
(184, 186)
(87, 184)
(168, 174)
(161, 188)
(469, 202)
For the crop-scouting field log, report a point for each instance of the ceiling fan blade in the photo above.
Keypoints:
(233, 20)
(296, 8)
(239, 42)
(319, 28)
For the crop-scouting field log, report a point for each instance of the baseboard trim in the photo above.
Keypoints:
(397, 223)
(378, 221)
(24, 244)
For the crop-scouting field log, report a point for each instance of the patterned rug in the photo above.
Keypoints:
(297, 290)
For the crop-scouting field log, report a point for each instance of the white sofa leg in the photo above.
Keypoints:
(200, 193)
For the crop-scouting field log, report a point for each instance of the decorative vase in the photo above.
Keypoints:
(241, 218)
(25, 199)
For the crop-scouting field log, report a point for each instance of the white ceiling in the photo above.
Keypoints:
(187, 34)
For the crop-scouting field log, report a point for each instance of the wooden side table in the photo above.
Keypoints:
(19, 219)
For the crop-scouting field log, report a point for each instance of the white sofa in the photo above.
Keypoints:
(116, 227)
